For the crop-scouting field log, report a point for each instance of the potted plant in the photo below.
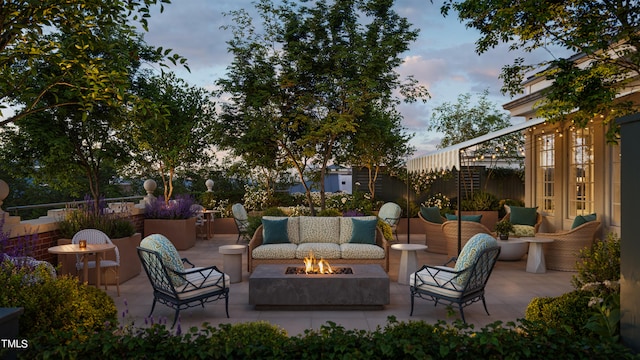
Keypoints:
(175, 219)
(482, 203)
(503, 228)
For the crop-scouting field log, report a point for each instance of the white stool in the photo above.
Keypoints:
(232, 261)
(408, 260)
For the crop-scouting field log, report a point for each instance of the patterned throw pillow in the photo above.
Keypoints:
(170, 257)
(471, 251)
(524, 230)
(274, 231)
(364, 231)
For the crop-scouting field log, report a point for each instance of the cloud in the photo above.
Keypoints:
(443, 57)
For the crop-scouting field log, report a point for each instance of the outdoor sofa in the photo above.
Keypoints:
(339, 240)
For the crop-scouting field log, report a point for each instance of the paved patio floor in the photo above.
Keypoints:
(509, 291)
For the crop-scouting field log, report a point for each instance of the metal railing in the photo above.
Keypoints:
(67, 204)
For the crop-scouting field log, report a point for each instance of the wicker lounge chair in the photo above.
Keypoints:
(434, 237)
(469, 228)
(562, 254)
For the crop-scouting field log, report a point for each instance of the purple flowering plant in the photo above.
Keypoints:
(180, 208)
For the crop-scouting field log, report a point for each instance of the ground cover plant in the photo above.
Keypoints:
(397, 340)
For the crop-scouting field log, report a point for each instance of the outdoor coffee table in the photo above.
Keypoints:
(408, 260)
(535, 259)
(271, 288)
(97, 249)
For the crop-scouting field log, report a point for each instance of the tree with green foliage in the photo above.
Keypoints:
(69, 147)
(300, 87)
(177, 137)
(463, 121)
(75, 73)
(380, 142)
(605, 32)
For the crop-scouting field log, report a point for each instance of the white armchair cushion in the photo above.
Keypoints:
(438, 280)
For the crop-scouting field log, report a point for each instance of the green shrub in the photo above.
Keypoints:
(54, 303)
(273, 211)
(398, 340)
(114, 225)
(598, 263)
(329, 213)
(570, 309)
(480, 201)
(254, 224)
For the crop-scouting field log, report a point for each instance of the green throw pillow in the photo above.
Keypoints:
(582, 219)
(274, 231)
(431, 214)
(524, 215)
(474, 218)
(364, 231)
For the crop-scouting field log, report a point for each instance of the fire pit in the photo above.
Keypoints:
(301, 270)
(365, 288)
(315, 266)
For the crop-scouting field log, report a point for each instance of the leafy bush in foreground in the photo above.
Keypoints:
(397, 340)
(54, 303)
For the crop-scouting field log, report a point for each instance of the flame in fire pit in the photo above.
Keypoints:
(314, 266)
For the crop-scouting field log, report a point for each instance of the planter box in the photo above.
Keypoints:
(130, 265)
(181, 232)
(415, 226)
(224, 226)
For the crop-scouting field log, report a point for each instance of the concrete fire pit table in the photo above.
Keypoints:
(366, 288)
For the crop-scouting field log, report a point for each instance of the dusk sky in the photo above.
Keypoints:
(443, 58)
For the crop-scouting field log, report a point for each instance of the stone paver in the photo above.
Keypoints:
(508, 292)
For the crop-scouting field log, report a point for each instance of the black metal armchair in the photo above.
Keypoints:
(175, 286)
(465, 283)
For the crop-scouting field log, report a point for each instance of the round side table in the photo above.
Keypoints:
(535, 259)
(408, 260)
(232, 261)
(512, 249)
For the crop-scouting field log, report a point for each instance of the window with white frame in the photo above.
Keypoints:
(581, 176)
(615, 185)
(545, 190)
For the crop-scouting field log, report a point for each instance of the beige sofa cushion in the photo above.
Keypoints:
(361, 251)
(293, 227)
(346, 227)
(275, 251)
(319, 229)
(320, 251)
